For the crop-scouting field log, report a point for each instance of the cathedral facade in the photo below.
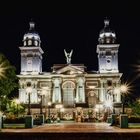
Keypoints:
(70, 87)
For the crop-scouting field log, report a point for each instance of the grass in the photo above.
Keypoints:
(134, 125)
(14, 126)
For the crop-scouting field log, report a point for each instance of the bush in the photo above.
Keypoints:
(14, 120)
(37, 121)
(133, 120)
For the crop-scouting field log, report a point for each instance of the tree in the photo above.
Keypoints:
(8, 80)
(14, 109)
(135, 108)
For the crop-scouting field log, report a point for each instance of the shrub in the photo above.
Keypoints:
(37, 121)
(133, 120)
(14, 120)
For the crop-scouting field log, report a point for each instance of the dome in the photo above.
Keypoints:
(107, 36)
(31, 38)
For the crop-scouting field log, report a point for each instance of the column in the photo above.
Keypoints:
(77, 96)
(56, 91)
(118, 94)
(80, 90)
(101, 97)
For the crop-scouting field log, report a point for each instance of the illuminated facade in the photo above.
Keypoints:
(70, 84)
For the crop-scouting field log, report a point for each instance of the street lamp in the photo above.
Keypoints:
(41, 101)
(41, 94)
(17, 103)
(123, 90)
(108, 105)
(61, 111)
(49, 105)
(41, 104)
(59, 106)
(99, 107)
(29, 90)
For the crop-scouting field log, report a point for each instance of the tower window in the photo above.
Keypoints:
(28, 84)
(35, 43)
(108, 64)
(24, 43)
(109, 83)
(29, 42)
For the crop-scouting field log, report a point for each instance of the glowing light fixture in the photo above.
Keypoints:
(124, 88)
(108, 104)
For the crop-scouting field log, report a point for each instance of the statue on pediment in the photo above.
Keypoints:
(68, 56)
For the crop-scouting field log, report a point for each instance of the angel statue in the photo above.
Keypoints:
(68, 56)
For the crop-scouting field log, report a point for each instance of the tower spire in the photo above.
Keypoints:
(32, 25)
(107, 50)
(31, 37)
(107, 36)
(106, 22)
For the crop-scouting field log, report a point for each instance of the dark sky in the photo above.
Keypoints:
(72, 30)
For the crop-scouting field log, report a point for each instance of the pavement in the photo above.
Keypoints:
(73, 128)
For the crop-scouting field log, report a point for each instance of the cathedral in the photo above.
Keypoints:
(69, 88)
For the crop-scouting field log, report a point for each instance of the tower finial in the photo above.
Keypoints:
(32, 25)
(106, 22)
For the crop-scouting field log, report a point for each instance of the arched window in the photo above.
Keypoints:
(68, 93)
(29, 42)
(92, 99)
(35, 43)
(80, 91)
(24, 43)
(68, 84)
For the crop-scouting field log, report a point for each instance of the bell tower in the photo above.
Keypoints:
(31, 52)
(107, 50)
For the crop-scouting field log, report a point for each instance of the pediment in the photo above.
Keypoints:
(69, 70)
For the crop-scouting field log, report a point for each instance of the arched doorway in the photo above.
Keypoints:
(92, 99)
(68, 93)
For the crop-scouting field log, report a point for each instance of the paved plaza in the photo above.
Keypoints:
(75, 128)
(71, 131)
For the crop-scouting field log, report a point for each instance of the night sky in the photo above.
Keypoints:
(77, 31)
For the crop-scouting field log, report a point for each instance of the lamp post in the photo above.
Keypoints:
(41, 98)
(49, 105)
(59, 106)
(99, 107)
(123, 90)
(29, 90)
(41, 104)
(108, 105)
(61, 111)
(41, 94)
(116, 93)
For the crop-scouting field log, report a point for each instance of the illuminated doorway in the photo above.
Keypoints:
(68, 93)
